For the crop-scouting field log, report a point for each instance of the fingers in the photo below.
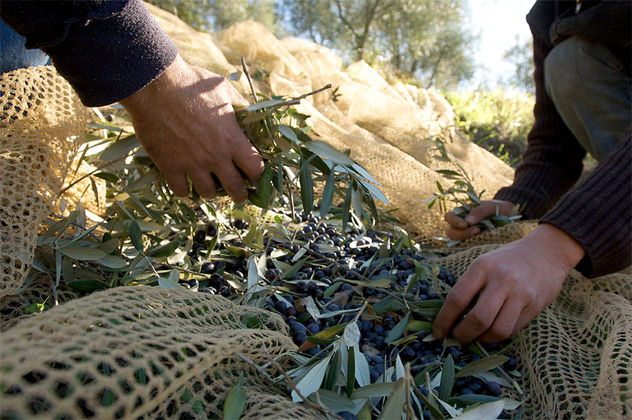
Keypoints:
(505, 323)
(461, 235)
(455, 221)
(178, 183)
(457, 301)
(204, 185)
(487, 208)
(482, 315)
(245, 155)
(235, 97)
(233, 182)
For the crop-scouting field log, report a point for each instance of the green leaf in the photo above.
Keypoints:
(279, 176)
(288, 133)
(363, 375)
(346, 209)
(87, 285)
(416, 325)
(394, 407)
(374, 191)
(332, 373)
(398, 330)
(334, 401)
(170, 283)
(320, 341)
(485, 411)
(330, 332)
(265, 104)
(292, 270)
(373, 390)
(350, 371)
(307, 187)
(83, 254)
(265, 186)
(120, 148)
(352, 335)
(235, 402)
(439, 187)
(448, 173)
(325, 151)
(389, 304)
(112, 261)
(109, 177)
(469, 399)
(312, 380)
(163, 250)
(426, 308)
(35, 308)
(328, 194)
(447, 379)
(136, 236)
(482, 365)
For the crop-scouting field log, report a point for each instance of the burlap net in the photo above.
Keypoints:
(164, 353)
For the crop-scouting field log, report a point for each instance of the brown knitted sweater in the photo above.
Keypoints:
(597, 213)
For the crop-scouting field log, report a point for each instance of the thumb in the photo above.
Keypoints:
(479, 213)
(235, 97)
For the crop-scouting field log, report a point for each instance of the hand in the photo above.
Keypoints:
(461, 229)
(185, 121)
(513, 284)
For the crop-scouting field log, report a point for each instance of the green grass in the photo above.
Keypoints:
(498, 120)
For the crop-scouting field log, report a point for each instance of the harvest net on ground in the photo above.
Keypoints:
(149, 352)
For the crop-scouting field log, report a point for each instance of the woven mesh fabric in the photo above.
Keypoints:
(577, 353)
(390, 129)
(40, 118)
(141, 353)
(166, 353)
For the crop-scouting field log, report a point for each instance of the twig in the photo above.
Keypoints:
(254, 93)
(98, 168)
(500, 368)
(313, 92)
(260, 369)
(409, 379)
(322, 409)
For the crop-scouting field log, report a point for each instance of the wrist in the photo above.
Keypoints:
(160, 84)
(558, 244)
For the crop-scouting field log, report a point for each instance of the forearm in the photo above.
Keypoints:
(553, 159)
(106, 50)
(598, 214)
(608, 22)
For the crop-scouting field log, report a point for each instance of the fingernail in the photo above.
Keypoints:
(470, 219)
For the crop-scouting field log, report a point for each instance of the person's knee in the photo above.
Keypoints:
(561, 67)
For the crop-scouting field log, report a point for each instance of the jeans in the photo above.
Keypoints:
(13, 55)
(590, 92)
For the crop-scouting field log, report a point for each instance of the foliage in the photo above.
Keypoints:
(462, 193)
(498, 120)
(521, 56)
(420, 39)
(279, 134)
(147, 237)
(429, 42)
(213, 15)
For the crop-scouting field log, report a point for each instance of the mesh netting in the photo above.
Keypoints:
(388, 128)
(41, 116)
(142, 353)
(164, 353)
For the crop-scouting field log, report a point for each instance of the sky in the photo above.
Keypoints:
(498, 22)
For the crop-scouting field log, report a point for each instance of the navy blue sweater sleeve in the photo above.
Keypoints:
(598, 213)
(106, 49)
